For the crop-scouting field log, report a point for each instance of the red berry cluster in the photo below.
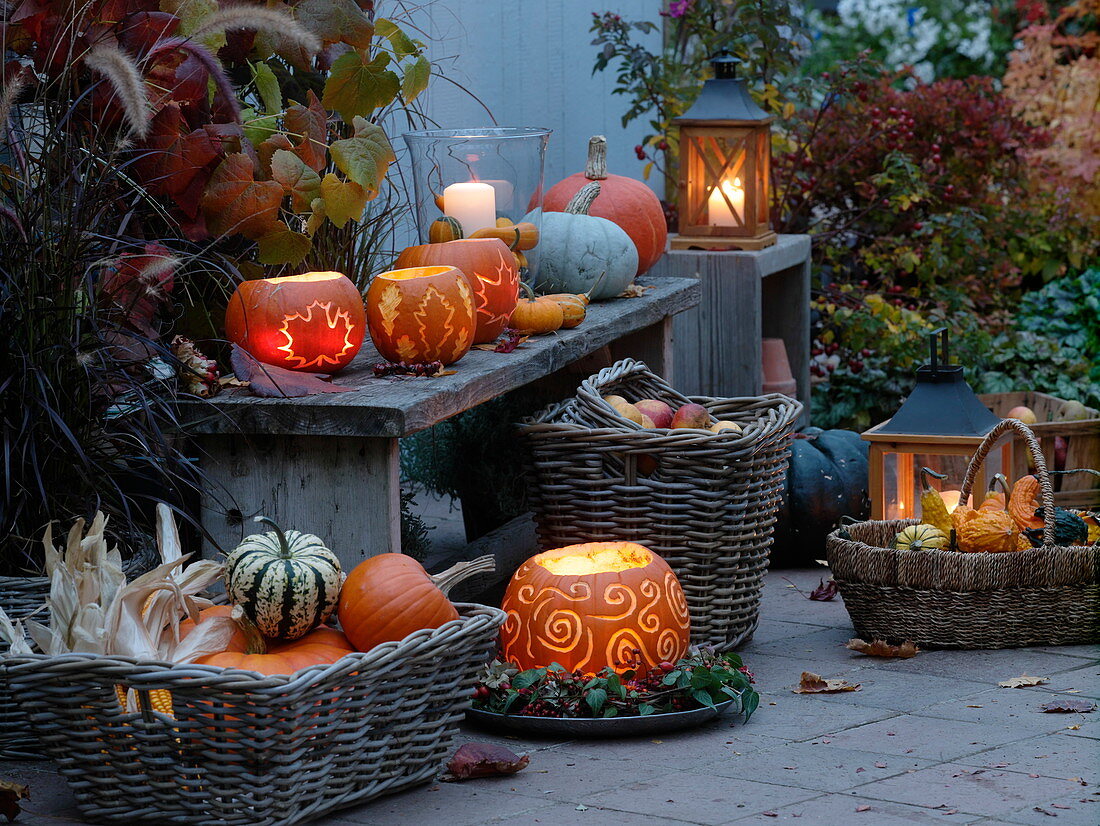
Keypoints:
(388, 368)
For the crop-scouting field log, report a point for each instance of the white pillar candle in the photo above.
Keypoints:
(718, 211)
(473, 204)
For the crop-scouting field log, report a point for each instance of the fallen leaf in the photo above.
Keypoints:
(860, 769)
(816, 684)
(880, 765)
(1023, 681)
(863, 808)
(1067, 706)
(635, 291)
(269, 381)
(581, 807)
(1074, 728)
(485, 760)
(975, 706)
(10, 795)
(1044, 811)
(825, 591)
(770, 814)
(1059, 806)
(881, 648)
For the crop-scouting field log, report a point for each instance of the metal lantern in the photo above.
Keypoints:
(938, 427)
(725, 159)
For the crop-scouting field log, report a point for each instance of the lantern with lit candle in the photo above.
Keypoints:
(725, 160)
(939, 426)
(479, 179)
(313, 322)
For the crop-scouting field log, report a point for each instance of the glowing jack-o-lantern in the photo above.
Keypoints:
(421, 314)
(312, 322)
(491, 269)
(587, 607)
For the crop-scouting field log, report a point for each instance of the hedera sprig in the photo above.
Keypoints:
(700, 679)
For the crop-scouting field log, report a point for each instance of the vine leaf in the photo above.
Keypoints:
(336, 21)
(365, 157)
(344, 200)
(300, 182)
(415, 79)
(309, 124)
(357, 86)
(399, 41)
(235, 202)
(283, 246)
(274, 382)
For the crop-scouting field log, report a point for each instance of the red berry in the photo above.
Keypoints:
(865, 283)
(865, 352)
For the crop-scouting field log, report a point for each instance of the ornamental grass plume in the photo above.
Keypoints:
(125, 78)
(272, 21)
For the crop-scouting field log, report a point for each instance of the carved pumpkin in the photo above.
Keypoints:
(627, 202)
(491, 270)
(421, 314)
(312, 322)
(587, 607)
(581, 253)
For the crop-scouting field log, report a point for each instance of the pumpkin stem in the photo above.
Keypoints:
(448, 579)
(596, 167)
(284, 546)
(925, 472)
(530, 293)
(587, 297)
(580, 203)
(256, 643)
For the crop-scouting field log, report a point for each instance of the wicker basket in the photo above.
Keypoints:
(244, 749)
(19, 597)
(707, 508)
(948, 599)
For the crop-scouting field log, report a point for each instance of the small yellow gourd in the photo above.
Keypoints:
(923, 537)
(933, 510)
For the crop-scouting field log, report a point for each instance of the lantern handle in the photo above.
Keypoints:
(724, 64)
(938, 353)
(1046, 492)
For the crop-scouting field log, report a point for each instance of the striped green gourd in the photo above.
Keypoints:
(287, 583)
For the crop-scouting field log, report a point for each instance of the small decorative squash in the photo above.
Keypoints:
(1092, 523)
(1069, 529)
(536, 315)
(577, 249)
(286, 583)
(923, 537)
(996, 500)
(312, 322)
(488, 266)
(518, 237)
(421, 314)
(933, 510)
(389, 596)
(444, 229)
(597, 605)
(319, 647)
(625, 201)
(574, 308)
(991, 531)
(1023, 503)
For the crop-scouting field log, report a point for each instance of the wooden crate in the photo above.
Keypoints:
(1079, 490)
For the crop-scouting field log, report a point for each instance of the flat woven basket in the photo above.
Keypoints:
(948, 599)
(707, 507)
(244, 749)
(19, 597)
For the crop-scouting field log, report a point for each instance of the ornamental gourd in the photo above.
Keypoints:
(1024, 502)
(286, 583)
(535, 315)
(389, 596)
(921, 537)
(490, 268)
(422, 314)
(1069, 529)
(592, 606)
(578, 249)
(625, 201)
(933, 510)
(312, 322)
(989, 531)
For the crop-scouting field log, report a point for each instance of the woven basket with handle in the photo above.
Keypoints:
(705, 502)
(247, 750)
(948, 599)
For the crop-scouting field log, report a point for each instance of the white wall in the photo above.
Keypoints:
(530, 62)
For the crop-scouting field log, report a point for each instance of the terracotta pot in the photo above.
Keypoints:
(776, 368)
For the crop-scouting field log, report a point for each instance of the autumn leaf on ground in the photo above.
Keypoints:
(1067, 705)
(881, 648)
(269, 381)
(10, 795)
(635, 291)
(824, 592)
(1023, 681)
(484, 760)
(816, 684)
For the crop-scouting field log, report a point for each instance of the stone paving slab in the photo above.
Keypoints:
(840, 809)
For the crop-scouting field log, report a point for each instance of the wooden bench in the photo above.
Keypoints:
(329, 464)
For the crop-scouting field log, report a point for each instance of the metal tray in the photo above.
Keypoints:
(606, 727)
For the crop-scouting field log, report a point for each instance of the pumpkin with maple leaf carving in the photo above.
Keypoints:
(312, 322)
(421, 314)
(491, 270)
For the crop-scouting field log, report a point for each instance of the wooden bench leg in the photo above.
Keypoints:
(652, 344)
(344, 489)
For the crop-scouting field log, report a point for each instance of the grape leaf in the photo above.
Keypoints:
(174, 157)
(365, 157)
(300, 182)
(237, 203)
(283, 246)
(268, 87)
(415, 79)
(274, 382)
(881, 648)
(816, 684)
(309, 124)
(344, 200)
(1067, 705)
(336, 21)
(399, 41)
(358, 86)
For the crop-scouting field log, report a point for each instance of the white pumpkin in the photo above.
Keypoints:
(577, 250)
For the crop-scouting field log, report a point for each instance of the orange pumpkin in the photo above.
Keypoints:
(623, 201)
(421, 314)
(389, 596)
(312, 322)
(591, 606)
(491, 270)
(518, 237)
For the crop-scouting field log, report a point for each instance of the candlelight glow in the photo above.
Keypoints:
(597, 561)
(719, 213)
(951, 499)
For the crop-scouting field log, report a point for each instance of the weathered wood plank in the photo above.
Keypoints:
(399, 406)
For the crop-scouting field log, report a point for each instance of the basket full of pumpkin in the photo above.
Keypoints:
(309, 692)
(1004, 570)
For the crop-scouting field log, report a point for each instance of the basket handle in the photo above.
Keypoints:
(1046, 492)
